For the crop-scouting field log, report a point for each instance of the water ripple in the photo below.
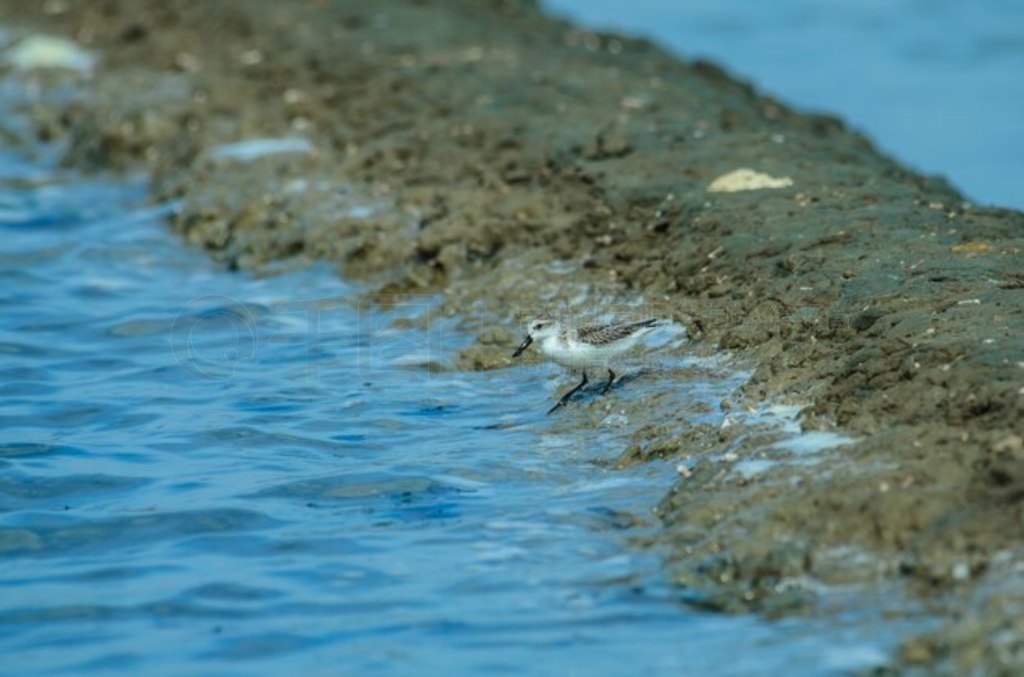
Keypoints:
(118, 534)
(205, 472)
(19, 491)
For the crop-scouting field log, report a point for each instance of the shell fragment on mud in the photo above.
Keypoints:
(747, 179)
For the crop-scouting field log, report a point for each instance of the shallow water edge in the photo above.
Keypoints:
(875, 295)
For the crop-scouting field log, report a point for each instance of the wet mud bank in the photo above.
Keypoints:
(483, 150)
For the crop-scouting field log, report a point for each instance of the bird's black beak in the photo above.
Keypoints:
(526, 342)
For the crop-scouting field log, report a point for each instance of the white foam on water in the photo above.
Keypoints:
(854, 659)
(252, 149)
(361, 211)
(754, 466)
(41, 52)
(414, 360)
(814, 441)
(785, 419)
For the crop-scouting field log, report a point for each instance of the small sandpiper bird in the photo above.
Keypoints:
(584, 347)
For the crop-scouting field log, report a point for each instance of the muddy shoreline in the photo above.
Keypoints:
(477, 140)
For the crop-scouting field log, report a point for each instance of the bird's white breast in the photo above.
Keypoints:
(576, 354)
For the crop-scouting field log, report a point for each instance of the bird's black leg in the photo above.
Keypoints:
(611, 380)
(565, 398)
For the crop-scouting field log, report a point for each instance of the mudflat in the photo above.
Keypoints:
(504, 158)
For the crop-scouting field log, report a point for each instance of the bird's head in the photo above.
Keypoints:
(538, 328)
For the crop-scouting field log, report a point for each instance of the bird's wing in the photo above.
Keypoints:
(599, 334)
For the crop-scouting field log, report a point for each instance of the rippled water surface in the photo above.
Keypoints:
(207, 473)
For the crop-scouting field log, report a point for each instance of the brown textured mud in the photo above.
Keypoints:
(484, 150)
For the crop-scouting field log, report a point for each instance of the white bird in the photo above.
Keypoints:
(584, 347)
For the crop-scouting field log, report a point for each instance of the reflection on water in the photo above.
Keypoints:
(203, 471)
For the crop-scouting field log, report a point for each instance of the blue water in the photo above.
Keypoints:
(937, 83)
(213, 473)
